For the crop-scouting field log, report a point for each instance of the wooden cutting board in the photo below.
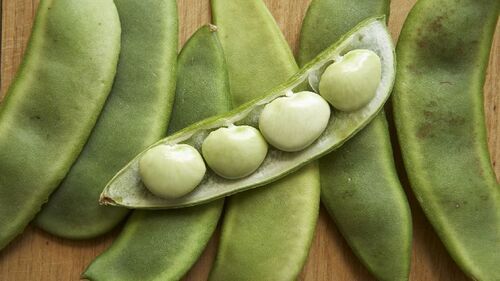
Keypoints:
(38, 256)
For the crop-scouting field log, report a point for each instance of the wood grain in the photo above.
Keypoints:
(39, 256)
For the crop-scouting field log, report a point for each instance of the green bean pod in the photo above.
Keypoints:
(270, 228)
(54, 103)
(362, 193)
(127, 189)
(203, 82)
(163, 245)
(327, 20)
(438, 108)
(359, 184)
(138, 107)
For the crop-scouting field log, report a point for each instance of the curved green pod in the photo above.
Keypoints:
(163, 245)
(438, 108)
(257, 54)
(53, 103)
(359, 184)
(362, 193)
(328, 20)
(138, 107)
(202, 83)
(126, 188)
(267, 232)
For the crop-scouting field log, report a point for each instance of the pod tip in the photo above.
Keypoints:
(212, 27)
(106, 201)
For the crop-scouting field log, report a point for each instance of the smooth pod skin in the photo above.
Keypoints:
(359, 184)
(192, 104)
(275, 223)
(265, 237)
(53, 103)
(234, 152)
(352, 82)
(172, 171)
(163, 245)
(292, 123)
(246, 70)
(443, 54)
(327, 20)
(362, 193)
(135, 115)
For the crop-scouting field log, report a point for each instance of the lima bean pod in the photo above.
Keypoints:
(438, 108)
(364, 197)
(138, 107)
(271, 241)
(126, 188)
(359, 184)
(163, 245)
(53, 104)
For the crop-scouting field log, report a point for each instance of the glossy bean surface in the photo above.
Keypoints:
(351, 83)
(172, 171)
(293, 122)
(234, 152)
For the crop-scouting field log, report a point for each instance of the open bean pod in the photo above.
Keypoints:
(126, 188)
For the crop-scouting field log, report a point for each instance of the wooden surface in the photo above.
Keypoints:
(39, 256)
